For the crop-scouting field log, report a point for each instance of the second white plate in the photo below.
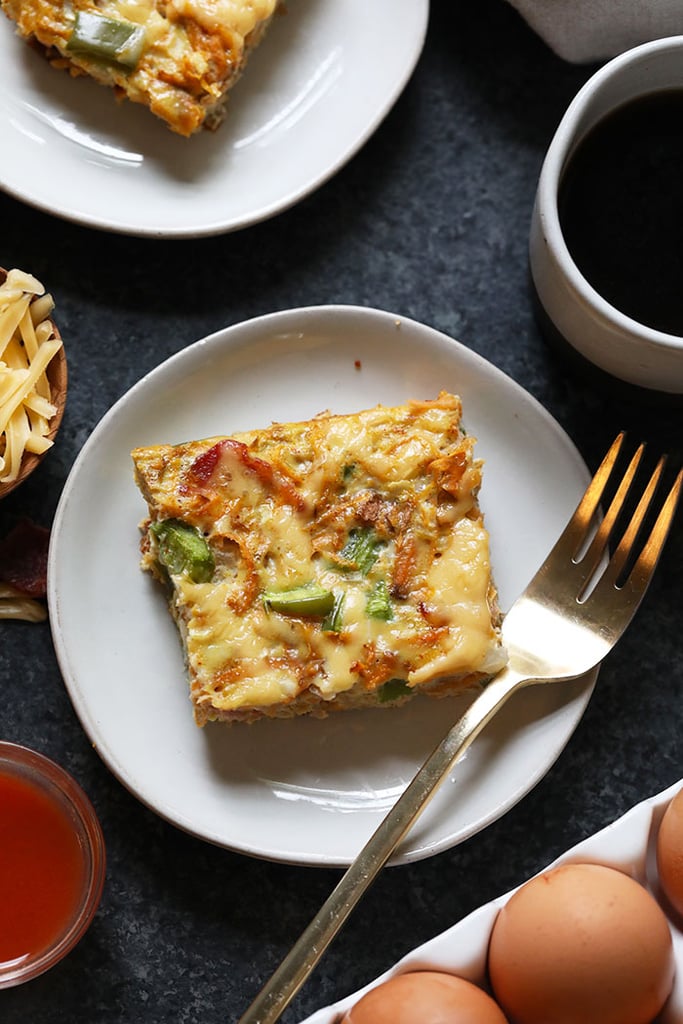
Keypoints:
(305, 791)
(316, 88)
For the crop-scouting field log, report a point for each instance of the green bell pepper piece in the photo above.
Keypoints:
(378, 605)
(182, 548)
(361, 549)
(95, 35)
(392, 690)
(333, 619)
(309, 599)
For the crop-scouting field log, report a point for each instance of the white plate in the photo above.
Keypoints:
(305, 791)
(628, 844)
(313, 92)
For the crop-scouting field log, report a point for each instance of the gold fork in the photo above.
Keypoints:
(569, 617)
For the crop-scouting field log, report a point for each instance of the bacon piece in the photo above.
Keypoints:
(205, 466)
(23, 558)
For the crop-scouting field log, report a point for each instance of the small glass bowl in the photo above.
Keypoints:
(67, 796)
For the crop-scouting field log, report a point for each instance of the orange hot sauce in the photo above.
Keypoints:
(41, 868)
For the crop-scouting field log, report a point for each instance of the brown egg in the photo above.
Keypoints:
(670, 852)
(581, 944)
(425, 997)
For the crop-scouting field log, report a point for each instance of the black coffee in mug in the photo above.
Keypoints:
(620, 204)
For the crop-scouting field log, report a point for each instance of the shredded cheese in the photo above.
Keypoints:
(27, 346)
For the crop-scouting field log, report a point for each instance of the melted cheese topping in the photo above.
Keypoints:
(278, 507)
(240, 16)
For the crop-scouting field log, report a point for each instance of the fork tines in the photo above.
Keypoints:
(631, 561)
(638, 549)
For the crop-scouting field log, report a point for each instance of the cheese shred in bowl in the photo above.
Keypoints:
(27, 344)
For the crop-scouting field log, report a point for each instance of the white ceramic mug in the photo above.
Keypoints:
(617, 344)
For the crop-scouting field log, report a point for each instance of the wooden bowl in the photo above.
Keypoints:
(57, 375)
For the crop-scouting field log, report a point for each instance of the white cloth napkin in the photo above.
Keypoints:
(583, 31)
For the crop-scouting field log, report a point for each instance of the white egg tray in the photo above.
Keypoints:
(627, 844)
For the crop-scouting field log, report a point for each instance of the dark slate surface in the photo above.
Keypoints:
(429, 220)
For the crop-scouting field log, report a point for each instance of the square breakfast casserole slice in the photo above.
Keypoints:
(179, 58)
(340, 562)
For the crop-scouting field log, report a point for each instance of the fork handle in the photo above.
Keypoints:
(286, 981)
